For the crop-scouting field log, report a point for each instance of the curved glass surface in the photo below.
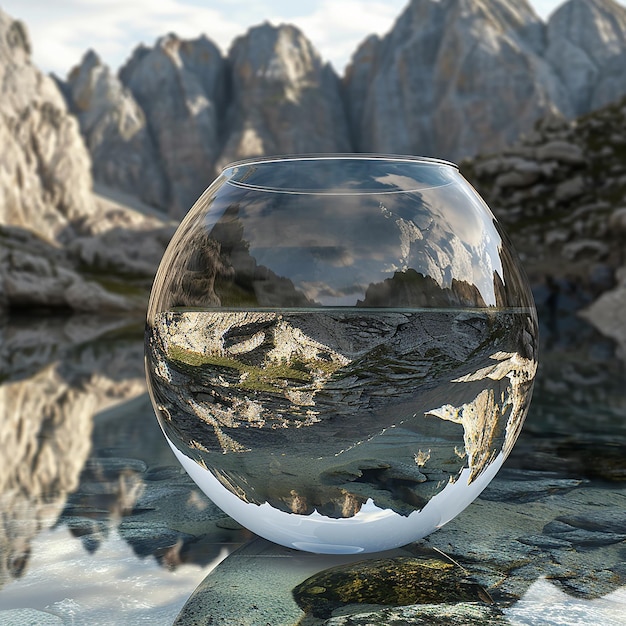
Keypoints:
(338, 344)
(340, 232)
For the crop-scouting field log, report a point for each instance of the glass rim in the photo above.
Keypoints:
(341, 156)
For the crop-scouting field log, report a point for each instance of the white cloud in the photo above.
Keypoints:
(337, 28)
(62, 30)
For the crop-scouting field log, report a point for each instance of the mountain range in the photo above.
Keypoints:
(451, 79)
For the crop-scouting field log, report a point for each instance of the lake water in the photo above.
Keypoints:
(101, 526)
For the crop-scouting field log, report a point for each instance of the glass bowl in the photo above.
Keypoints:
(340, 349)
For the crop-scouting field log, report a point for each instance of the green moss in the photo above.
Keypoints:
(399, 581)
(269, 378)
(120, 287)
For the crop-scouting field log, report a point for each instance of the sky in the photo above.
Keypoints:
(61, 31)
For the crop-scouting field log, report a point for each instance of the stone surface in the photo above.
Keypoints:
(607, 313)
(63, 246)
(114, 126)
(285, 100)
(390, 581)
(468, 614)
(35, 274)
(135, 537)
(23, 617)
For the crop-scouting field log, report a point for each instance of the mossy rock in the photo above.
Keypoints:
(399, 581)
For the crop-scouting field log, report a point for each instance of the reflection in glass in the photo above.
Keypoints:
(341, 349)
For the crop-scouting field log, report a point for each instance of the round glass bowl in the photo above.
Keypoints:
(341, 349)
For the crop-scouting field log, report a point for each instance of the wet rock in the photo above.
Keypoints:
(589, 530)
(398, 581)
(522, 486)
(20, 617)
(464, 613)
(611, 520)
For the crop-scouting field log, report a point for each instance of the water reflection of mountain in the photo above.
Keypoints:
(56, 375)
(411, 289)
(153, 506)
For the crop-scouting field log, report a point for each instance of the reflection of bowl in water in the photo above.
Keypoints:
(341, 349)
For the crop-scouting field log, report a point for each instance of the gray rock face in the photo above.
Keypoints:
(285, 99)
(587, 48)
(46, 196)
(451, 79)
(45, 183)
(35, 274)
(115, 131)
(180, 87)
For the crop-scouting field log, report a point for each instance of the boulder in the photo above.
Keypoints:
(607, 313)
(35, 274)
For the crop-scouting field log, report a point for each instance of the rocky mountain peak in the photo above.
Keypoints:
(115, 130)
(281, 54)
(284, 98)
(598, 26)
(180, 86)
(587, 48)
(426, 94)
(506, 18)
(45, 184)
(15, 34)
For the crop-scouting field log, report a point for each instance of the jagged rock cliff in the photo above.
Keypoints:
(458, 77)
(587, 48)
(60, 244)
(273, 94)
(115, 131)
(45, 184)
(180, 86)
(285, 100)
(452, 78)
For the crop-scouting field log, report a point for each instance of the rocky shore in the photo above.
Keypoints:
(560, 194)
